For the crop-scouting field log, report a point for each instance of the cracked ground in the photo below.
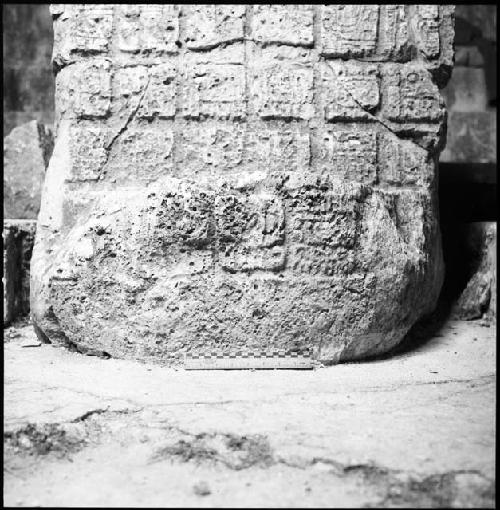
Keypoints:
(416, 429)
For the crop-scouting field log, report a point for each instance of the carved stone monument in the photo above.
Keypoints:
(229, 176)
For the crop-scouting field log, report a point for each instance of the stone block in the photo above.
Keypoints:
(187, 218)
(160, 97)
(283, 24)
(18, 238)
(83, 90)
(216, 91)
(91, 27)
(28, 88)
(250, 232)
(393, 33)
(400, 163)
(146, 92)
(366, 32)
(28, 35)
(282, 92)
(27, 150)
(141, 155)
(279, 148)
(348, 154)
(481, 21)
(322, 228)
(27, 245)
(149, 29)
(349, 31)
(79, 30)
(410, 95)
(210, 149)
(468, 56)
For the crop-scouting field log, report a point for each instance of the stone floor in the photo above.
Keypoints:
(417, 429)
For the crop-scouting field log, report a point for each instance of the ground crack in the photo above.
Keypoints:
(397, 487)
(130, 118)
(88, 414)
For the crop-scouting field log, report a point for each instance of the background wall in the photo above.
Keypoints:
(28, 84)
(471, 94)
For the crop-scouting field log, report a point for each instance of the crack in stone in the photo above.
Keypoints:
(371, 116)
(130, 118)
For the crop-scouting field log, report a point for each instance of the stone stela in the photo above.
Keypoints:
(242, 177)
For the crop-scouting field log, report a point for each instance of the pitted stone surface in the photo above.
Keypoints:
(232, 176)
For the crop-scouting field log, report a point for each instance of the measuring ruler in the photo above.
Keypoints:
(249, 360)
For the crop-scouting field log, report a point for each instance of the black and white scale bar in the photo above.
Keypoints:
(247, 361)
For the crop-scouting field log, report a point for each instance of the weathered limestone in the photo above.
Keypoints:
(18, 237)
(231, 176)
(479, 296)
(27, 151)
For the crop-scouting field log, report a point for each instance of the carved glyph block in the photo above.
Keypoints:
(279, 150)
(251, 233)
(148, 28)
(349, 30)
(283, 24)
(81, 29)
(349, 154)
(87, 150)
(410, 94)
(349, 91)
(84, 90)
(216, 91)
(283, 92)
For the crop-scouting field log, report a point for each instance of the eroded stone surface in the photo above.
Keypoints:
(479, 296)
(228, 176)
